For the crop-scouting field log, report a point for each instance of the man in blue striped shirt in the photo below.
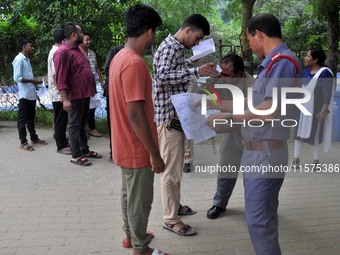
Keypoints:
(172, 75)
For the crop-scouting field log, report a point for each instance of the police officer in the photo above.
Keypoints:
(265, 145)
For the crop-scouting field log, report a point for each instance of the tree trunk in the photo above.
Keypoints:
(332, 15)
(247, 13)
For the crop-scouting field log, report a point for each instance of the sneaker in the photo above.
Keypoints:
(95, 133)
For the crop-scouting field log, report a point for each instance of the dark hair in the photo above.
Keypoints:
(266, 23)
(58, 35)
(86, 34)
(140, 18)
(319, 54)
(236, 60)
(70, 27)
(197, 21)
(22, 43)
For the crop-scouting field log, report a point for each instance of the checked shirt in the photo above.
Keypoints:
(172, 74)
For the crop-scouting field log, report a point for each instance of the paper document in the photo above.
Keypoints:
(218, 69)
(193, 122)
(204, 48)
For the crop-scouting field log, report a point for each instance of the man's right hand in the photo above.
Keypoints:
(67, 105)
(157, 164)
(36, 81)
(208, 70)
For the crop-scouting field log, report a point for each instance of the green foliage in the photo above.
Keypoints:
(37, 19)
(303, 22)
(174, 12)
(43, 117)
(302, 27)
(11, 31)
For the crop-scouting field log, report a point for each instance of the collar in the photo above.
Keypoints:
(174, 40)
(273, 54)
(69, 46)
(22, 55)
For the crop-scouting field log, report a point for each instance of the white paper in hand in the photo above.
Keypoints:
(218, 69)
(204, 48)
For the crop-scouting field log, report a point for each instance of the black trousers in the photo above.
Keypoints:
(92, 120)
(108, 122)
(26, 115)
(79, 116)
(60, 125)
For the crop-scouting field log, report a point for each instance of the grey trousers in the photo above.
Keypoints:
(231, 150)
(136, 200)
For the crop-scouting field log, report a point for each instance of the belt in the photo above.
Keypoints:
(258, 145)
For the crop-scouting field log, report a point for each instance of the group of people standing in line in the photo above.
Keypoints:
(142, 148)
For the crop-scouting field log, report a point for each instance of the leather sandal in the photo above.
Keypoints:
(81, 161)
(296, 163)
(184, 231)
(187, 211)
(39, 141)
(128, 245)
(26, 147)
(93, 154)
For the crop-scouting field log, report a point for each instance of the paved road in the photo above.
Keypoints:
(49, 206)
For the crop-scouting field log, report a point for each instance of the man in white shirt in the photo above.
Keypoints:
(60, 117)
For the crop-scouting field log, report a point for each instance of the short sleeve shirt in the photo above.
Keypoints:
(281, 74)
(130, 81)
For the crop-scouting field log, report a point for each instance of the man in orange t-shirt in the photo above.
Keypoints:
(133, 133)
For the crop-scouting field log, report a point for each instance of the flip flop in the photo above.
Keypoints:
(184, 231)
(188, 210)
(129, 245)
(158, 252)
(81, 161)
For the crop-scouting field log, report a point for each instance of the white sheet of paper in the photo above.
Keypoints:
(218, 69)
(204, 48)
(193, 122)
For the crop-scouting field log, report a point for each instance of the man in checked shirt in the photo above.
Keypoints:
(173, 73)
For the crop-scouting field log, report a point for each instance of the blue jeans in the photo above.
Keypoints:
(77, 129)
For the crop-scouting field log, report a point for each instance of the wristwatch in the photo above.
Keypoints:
(229, 116)
(325, 110)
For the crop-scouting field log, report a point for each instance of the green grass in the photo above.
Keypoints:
(101, 125)
(42, 117)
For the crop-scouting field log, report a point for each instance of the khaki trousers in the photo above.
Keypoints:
(188, 151)
(171, 146)
(136, 200)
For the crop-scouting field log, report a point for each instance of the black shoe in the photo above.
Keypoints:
(187, 168)
(214, 212)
